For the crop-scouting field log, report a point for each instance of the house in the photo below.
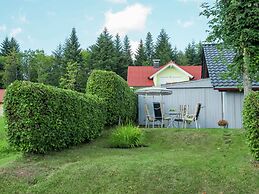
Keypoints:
(220, 98)
(147, 76)
(2, 92)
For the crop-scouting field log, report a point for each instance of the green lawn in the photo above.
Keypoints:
(6, 153)
(175, 161)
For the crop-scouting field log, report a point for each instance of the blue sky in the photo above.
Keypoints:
(43, 24)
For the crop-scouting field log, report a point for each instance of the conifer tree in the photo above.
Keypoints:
(103, 53)
(149, 47)
(59, 66)
(72, 54)
(127, 54)
(9, 45)
(141, 57)
(190, 53)
(163, 48)
(72, 51)
(121, 68)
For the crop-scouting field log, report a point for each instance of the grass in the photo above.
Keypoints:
(7, 154)
(175, 161)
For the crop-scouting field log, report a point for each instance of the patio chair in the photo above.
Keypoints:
(160, 114)
(148, 118)
(183, 112)
(189, 118)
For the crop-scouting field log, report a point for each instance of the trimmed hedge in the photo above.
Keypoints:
(120, 100)
(42, 118)
(251, 122)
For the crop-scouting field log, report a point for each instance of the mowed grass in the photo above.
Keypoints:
(7, 154)
(174, 161)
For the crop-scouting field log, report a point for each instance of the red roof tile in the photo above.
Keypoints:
(2, 92)
(138, 75)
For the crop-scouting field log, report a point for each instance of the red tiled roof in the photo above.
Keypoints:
(193, 70)
(138, 75)
(2, 92)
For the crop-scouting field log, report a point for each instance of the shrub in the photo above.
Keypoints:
(126, 137)
(120, 100)
(251, 122)
(42, 118)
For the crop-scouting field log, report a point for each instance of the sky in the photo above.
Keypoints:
(43, 24)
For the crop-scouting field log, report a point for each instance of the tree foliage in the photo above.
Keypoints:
(140, 56)
(103, 53)
(235, 24)
(149, 46)
(163, 48)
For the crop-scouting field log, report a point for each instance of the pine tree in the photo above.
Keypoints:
(127, 54)
(9, 45)
(5, 47)
(181, 58)
(141, 57)
(59, 67)
(14, 45)
(149, 47)
(72, 53)
(163, 49)
(121, 68)
(190, 53)
(103, 53)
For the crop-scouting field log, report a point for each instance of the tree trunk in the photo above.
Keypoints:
(246, 78)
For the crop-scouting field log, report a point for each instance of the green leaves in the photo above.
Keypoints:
(42, 118)
(251, 122)
(120, 101)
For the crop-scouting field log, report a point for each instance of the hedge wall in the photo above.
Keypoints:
(120, 100)
(42, 118)
(251, 122)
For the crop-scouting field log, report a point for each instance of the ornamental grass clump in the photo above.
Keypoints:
(127, 136)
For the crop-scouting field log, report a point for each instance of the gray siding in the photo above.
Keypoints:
(233, 105)
(213, 104)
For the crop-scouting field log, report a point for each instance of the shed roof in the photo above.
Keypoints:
(217, 61)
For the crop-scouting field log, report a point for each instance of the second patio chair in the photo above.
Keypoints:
(189, 118)
(159, 113)
(183, 112)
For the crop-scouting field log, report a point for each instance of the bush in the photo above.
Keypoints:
(42, 118)
(126, 137)
(251, 122)
(120, 100)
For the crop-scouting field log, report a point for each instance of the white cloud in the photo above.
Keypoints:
(117, 1)
(15, 31)
(185, 24)
(22, 19)
(2, 28)
(133, 18)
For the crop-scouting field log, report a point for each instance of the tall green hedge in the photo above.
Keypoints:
(251, 122)
(42, 118)
(120, 100)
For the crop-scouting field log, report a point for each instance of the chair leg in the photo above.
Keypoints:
(146, 124)
(196, 124)
(153, 124)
